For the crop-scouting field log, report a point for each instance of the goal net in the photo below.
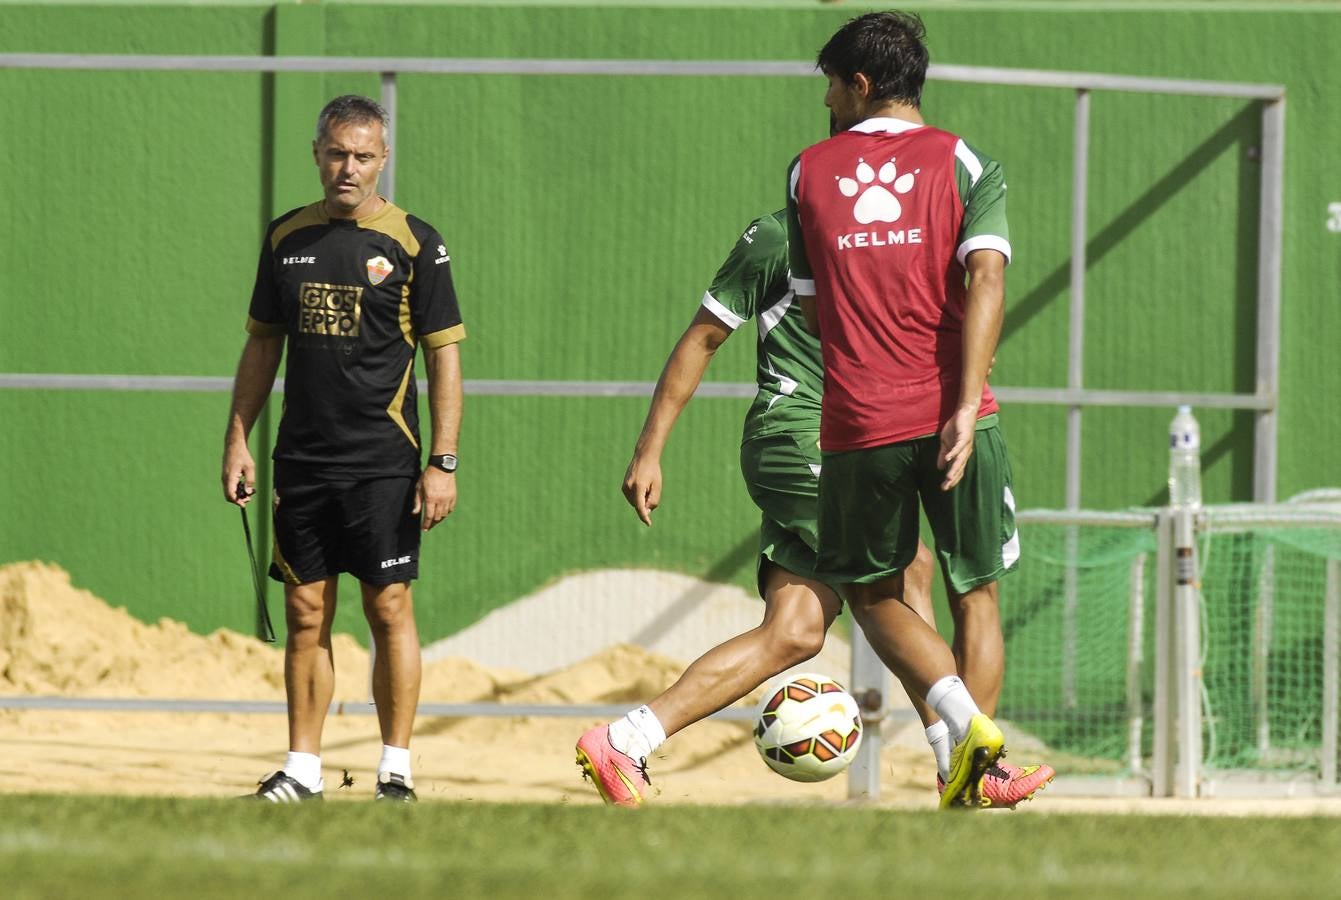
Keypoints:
(1080, 619)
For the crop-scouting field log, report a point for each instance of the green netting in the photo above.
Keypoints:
(1263, 596)
(1076, 683)
(1067, 640)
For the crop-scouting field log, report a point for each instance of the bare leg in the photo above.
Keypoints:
(396, 671)
(797, 614)
(908, 646)
(980, 650)
(309, 668)
(917, 595)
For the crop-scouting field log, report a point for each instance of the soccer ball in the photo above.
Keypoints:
(808, 729)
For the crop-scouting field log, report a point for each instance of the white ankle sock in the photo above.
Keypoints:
(304, 768)
(952, 702)
(394, 759)
(938, 736)
(637, 734)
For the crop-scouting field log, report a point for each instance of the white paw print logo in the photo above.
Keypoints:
(877, 202)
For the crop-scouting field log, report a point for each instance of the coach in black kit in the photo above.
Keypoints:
(355, 285)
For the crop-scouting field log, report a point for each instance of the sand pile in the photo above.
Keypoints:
(56, 639)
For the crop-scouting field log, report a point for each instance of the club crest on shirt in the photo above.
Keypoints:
(379, 267)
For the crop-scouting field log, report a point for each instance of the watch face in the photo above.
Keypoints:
(446, 462)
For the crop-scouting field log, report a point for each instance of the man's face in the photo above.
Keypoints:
(845, 101)
(350, 158)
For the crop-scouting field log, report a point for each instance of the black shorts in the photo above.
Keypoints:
(323, 527)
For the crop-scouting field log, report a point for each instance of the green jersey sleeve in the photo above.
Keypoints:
(982, 186)
(757, 260)
(802, 277)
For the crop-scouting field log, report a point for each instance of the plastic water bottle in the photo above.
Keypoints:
(1184, 459)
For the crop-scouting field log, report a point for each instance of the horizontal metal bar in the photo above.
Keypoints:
(1133, 786)
(1243, 519)
(478, 387)
(277, 707)
(360, 708)
(1094, 397)
(1086, 517)
(187, 383)
(1096, 82)
(505, 387)
(402, 65)
(428, 66)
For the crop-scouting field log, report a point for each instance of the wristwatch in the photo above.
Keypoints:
(444, 461)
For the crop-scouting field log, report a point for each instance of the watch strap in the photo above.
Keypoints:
(444, 461)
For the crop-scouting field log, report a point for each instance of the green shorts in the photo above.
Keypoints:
(782, 474)
(868, 518)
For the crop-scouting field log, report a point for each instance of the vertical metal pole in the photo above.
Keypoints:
(1070, 612)
(1331, 671)
(387, 185)
(1269, 240)
(1268, 298)
(1162, 758)
(1075, 366)
(1187, 651)
(1264, 628)
(1135, 657)
(870, 687)
(1075, 380)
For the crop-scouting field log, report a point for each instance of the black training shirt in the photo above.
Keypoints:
(354, 299)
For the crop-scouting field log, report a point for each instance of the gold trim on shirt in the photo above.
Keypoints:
(308, 216)
(444, 337)
(398, 404)
(406, 325)
(394, 222)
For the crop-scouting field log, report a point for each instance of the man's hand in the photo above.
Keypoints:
(642, 486)
(957, 445)
(239, 473)
(434, 497)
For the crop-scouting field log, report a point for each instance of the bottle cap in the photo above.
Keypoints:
(1184, 409)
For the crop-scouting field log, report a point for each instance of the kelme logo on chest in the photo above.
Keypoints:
(330, 309)
(379, 267)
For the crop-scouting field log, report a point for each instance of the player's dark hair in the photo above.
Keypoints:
(351, 109)
(889, 48)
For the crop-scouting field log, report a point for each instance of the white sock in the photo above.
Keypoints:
(951, 700)
(938, 736)
(637, 734)
(304, 768)
(394, 759)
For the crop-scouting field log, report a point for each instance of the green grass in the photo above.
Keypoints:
(133, 847)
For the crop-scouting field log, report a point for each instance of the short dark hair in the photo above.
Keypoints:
(351, 109)
(889, 48)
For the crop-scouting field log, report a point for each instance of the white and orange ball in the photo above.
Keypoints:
(808, 728)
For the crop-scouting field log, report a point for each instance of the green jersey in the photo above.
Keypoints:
(753, 283)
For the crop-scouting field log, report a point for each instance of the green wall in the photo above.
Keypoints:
(585, 216)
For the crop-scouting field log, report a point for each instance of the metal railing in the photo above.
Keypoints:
(1263, 402)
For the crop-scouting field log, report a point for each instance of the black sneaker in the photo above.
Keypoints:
(395, 787)
(280, 788)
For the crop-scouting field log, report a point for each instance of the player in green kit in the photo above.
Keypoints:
(780, 459)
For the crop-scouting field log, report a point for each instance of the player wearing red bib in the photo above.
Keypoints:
(898, 243)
